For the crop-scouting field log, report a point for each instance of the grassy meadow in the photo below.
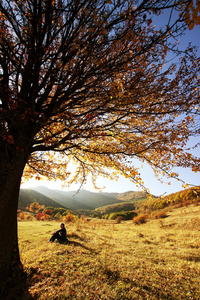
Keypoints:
(159, 259)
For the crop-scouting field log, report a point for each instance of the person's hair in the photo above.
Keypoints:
(62, 224)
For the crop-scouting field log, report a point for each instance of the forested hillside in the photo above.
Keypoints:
(174, 200)
(28, 196)
(76, 201)
(105, 203)
(125, 206)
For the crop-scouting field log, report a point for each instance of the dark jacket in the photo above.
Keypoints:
(62, 233)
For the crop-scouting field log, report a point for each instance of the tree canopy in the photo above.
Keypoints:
(84, 81)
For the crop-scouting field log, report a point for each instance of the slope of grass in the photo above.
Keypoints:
(180, 199)
(125, 206)
(132, 196)
(103, 260)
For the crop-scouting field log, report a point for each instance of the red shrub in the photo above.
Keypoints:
(48, 212)
(41, 216)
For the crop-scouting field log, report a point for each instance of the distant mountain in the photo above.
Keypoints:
(100, 202)
(81, 200)
(28, 196)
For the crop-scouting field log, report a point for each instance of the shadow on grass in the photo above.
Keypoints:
(17, 286)
(78, 244)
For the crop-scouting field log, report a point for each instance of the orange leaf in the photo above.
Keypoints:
(191, 26)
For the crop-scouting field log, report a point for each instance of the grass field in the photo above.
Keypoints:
(156, 260)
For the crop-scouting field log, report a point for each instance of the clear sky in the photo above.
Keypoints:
(154, 186)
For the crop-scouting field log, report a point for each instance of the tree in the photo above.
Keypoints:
(83, 81)
(48, 212)
(34, 207)
(42, 216)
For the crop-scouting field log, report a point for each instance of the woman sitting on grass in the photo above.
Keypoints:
(60, 234)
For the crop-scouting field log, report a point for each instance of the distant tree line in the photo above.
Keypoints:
(41, 213)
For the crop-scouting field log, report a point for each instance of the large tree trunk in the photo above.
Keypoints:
(10, 178)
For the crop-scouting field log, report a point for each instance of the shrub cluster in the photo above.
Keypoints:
(68, 218)
(140, 219)
(160, 215)
(42, 216)
(126, 215)
(24, 216)
(42, 213)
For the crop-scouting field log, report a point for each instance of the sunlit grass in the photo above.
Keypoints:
(156, 260)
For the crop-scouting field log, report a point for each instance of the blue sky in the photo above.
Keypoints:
(154, 186)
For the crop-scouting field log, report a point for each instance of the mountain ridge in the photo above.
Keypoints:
(28, 196)
(76, 201)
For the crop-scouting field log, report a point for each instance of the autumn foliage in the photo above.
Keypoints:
(42, 216)
(69, 217)
(35, 207)
(87, 81)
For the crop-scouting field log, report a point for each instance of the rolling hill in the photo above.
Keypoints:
(125, 206)
(28, 196)
(82, 200)
(131, 196)
(101, 202)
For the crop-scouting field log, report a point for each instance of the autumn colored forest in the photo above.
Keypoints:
(123, 206)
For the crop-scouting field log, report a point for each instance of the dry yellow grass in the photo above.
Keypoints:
(103, 260)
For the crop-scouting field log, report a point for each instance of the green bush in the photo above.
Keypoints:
(126, 215)
(62, 211)
(96, 215)
(58, 216)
